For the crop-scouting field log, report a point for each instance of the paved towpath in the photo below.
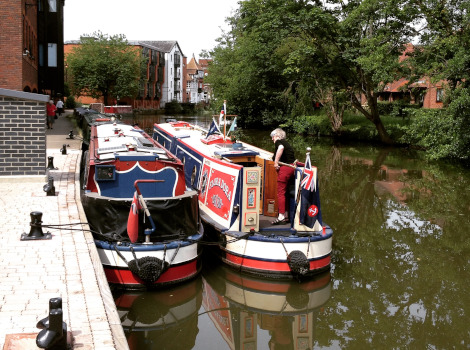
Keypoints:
(66, 266)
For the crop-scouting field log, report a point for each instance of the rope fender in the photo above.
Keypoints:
(148, 268)
(297, 261)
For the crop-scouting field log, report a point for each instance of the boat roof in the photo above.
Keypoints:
(125, 141)
(214, 145)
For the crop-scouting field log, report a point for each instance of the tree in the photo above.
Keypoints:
(245, 71)
(443, 55)
(352, 47)
(105, 66)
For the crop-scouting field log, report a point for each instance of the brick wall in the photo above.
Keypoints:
(11, 42)
(22, 133)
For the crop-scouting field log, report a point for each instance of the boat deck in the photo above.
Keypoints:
(265, 223)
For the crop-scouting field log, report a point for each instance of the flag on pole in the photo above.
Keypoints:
(310, 211)
(212, 128)
(221, 117)
(133, 219)
(233, 126)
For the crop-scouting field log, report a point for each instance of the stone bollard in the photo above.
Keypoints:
(36, 229)
(54, 334)
(49, 188)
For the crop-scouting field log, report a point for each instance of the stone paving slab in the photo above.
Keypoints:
(66, 266)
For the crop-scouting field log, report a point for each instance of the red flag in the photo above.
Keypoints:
(133, 220)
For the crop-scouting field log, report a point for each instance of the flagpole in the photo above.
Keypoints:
(225, 116)
(307, 155)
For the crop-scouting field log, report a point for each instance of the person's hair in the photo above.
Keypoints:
(279, 133)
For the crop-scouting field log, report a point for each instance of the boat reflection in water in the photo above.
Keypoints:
(239, 305)
(155, 319)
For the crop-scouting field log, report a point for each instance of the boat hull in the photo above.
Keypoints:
(174, 263)
(271, 256)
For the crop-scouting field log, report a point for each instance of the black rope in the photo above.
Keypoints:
(110, 240)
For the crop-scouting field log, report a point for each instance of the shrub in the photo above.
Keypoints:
(173, 107)
(70, 102)
(444, 133)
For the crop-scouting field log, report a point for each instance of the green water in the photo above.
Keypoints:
(400, 265)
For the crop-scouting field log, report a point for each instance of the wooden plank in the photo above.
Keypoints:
(270, 189)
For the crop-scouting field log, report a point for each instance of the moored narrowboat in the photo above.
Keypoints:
(237, 198)
(144, 219)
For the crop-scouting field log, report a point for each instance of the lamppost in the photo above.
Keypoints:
(66, 66)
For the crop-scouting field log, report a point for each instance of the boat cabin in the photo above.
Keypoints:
(237, 182)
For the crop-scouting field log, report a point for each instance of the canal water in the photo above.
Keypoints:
(400, 266)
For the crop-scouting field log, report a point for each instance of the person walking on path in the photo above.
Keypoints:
(283, 153)
(51, 109)
(60, 107)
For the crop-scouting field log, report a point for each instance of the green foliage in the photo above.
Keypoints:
(281, 56)
(173, 107)
(396, 109)
(104, 66)
(70, 102)
(444, 133)
(312, 124)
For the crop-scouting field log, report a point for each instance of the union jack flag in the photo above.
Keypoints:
(308, 182)
(310, 211)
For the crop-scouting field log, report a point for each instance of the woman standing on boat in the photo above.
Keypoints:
(283, 154)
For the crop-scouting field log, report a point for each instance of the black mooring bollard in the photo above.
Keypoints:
(54, 337)
(36, 229)
(63, 150)
(50, 163)
(70, 135)
(49, 187)
(54, 303)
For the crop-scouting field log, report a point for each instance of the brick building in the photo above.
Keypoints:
(31, 46)
(422, 92)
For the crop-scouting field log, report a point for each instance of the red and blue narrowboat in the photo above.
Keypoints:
(144, 219)
(237, 198)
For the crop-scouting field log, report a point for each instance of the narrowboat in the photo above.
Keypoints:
(237, 198)
(144, 220)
